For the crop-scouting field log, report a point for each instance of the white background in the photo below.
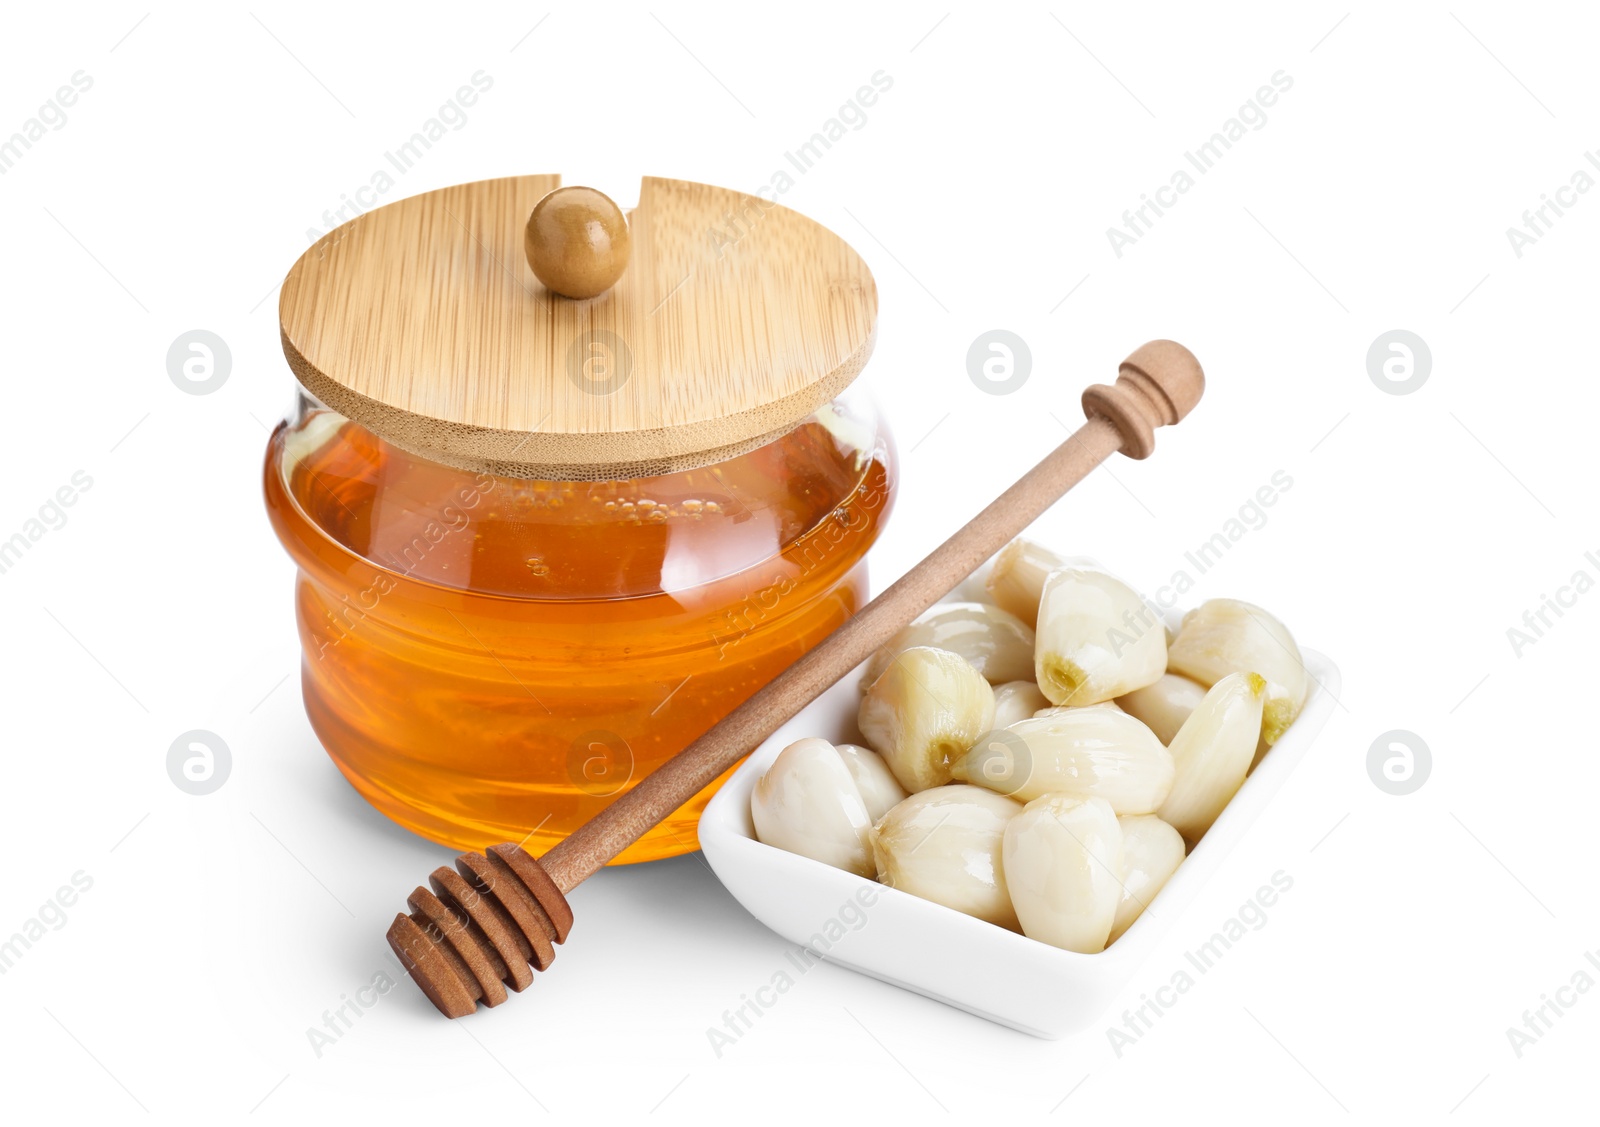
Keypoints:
(1418, 529)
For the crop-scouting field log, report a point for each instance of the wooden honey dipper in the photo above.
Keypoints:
(485, 921)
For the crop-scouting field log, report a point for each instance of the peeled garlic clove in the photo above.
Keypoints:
(1063, 864)
(1212, 752)
(926, 709)
(1016, 579)
(992, 641)
(1165, 705)
(1087, 752)
(1097, 639)
(807, 803)
(1016, 700)
(1223, 636)
(944, 845)
(875, 782)
(1151, 853)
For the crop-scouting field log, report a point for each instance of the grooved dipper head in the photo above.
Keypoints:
(476, 932)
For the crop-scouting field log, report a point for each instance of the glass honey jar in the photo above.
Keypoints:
(543, 544)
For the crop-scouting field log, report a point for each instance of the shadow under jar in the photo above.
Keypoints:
(492, 658)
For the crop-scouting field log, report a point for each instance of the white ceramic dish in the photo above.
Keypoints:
(941, 953)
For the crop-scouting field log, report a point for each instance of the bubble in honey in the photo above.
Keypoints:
(537, 565)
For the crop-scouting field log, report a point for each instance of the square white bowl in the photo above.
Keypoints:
(937, 951)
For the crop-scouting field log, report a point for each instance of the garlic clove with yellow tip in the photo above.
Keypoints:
(923, 712)
(807, 803)
(1097, 639)
(1212, 753)
(1223, 636)
(1151, 852)
(1063, 859)
(945, 845)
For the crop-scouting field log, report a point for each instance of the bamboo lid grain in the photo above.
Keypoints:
(735, 319)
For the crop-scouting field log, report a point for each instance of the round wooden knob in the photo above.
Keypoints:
(577, 242)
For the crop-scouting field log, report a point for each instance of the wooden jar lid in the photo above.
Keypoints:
(735, 319)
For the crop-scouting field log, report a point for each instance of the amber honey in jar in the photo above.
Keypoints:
(544, 544)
